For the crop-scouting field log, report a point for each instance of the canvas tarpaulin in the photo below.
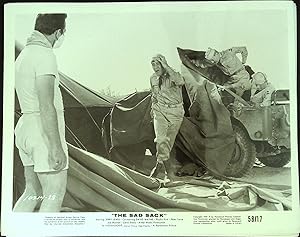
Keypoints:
(97, 184)
(128, 132)
(205, 137)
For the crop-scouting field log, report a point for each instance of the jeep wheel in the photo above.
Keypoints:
(244, 155)
(276, 161)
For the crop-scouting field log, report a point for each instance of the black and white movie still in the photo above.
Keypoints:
(123, 119)
(150, 119)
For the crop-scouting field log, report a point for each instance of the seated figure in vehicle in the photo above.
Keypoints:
(261, 90)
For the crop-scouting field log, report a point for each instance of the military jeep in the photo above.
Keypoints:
(261, 133)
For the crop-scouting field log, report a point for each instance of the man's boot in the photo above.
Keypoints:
(170, 170)
(159, 168)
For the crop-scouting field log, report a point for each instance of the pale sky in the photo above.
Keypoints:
(114, 49)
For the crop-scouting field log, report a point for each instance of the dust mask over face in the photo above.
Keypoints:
(59, 41)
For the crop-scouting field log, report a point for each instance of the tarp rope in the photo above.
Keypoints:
(70, 92)
(76, 139)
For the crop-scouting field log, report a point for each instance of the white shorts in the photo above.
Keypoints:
(30, 142)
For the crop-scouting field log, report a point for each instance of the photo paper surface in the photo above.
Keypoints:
(150, 119)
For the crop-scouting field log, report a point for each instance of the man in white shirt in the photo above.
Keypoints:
(40, 132)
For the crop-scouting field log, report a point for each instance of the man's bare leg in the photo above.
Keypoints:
(29, 199)
(54, 189)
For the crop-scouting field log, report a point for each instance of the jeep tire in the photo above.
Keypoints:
(244, 156)
(276, 161)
